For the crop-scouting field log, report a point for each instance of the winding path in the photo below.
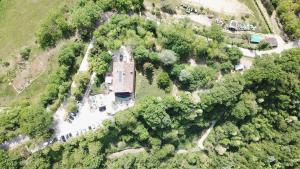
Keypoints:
(205, 135)
(126, 152)
(281, 47)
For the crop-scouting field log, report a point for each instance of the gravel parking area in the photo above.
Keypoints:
(89, 116)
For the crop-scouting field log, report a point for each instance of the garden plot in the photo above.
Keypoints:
(227, 7)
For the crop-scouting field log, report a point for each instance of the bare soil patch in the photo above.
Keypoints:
(33, 70)
(228, 7)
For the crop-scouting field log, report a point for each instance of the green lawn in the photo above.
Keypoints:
(9, 96)
(19, 20)
(144, 88)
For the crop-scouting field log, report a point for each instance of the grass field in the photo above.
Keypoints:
(19, 20)
(144, 88)
(9, 96)
(257, 15)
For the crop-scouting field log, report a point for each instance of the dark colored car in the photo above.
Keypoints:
(71, 117)
(73, 114)
(90, 128)
(53, 140)
(63, 138)
(70, 135)
(102, 108)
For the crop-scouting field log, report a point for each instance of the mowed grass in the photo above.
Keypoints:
(144, 88)
(19, 20)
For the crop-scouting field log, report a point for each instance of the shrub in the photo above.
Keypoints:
(163, 81)
(168, 57)
(25, 53)
(72, 106)
(168, 8)
(263, 45)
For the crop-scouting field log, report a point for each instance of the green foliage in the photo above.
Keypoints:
(178, 38)
(287, 12)
(136, 31)
(263, 45)
(84, 17)
(141, 55)
(100, 63)
(168, 7)
(163, 81)
(234, 55)
(168, 57)
(194, 78)
(8, 161)
(225, 92)
(54, 28)
(35, 121)
(60, 80)
(81, 80)
(215, 33)
(25, 53)
(9, 123)
(268, 5)
(247, 106)
(72, 106)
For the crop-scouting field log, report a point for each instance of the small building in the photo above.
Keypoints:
(272, 42)
(123, 73)
(255, 38)
(233, 25)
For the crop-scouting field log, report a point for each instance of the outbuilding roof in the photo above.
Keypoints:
(272, 41)
(255, 38)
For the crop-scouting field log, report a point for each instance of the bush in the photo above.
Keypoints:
(168, 7)
(263, 45)
(168, 57)
(163, 81)
(268, 5)
(72, 106)
(53, 29)
(148, 70)
(25, 53)
(81, 80)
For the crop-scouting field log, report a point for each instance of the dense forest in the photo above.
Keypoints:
(288, 12)
(258, 126)
(256, 111)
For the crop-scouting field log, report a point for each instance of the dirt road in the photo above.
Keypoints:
(205, 135)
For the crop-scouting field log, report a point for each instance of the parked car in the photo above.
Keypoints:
(71, 117)
(69, 120)
(73, 114)
(90, 128)
(63, 138)
(70, 134)
(102, 108)
(46, 143)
